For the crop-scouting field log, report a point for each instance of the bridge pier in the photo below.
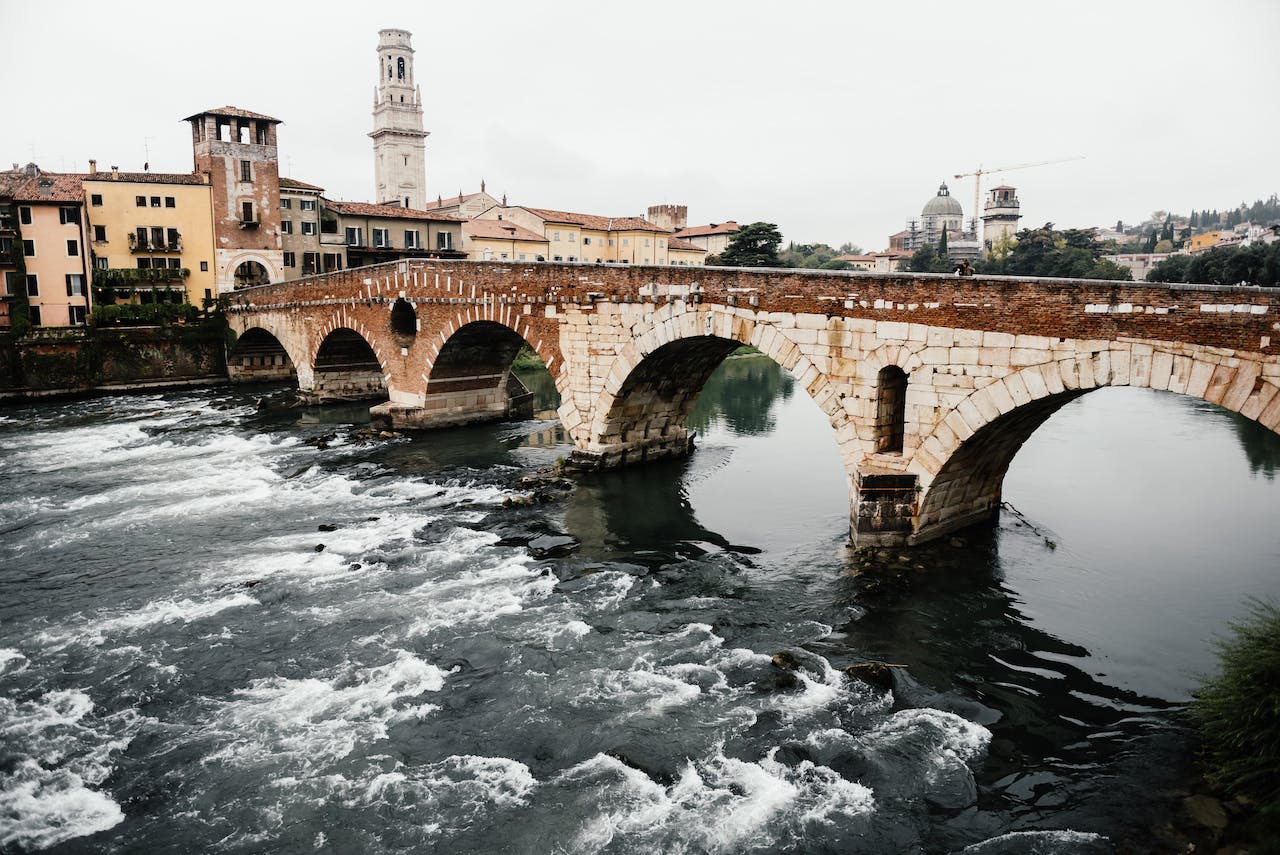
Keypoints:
(883, 508)
(640, 450)
(455, 402)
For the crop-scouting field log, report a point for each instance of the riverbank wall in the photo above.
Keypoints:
(67, 361)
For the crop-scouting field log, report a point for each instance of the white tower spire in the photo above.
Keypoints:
(399, 142)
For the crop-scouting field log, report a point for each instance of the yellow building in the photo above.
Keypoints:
(682, 253)
(502, 240)
(1199, 243)
(592, 238)
(151, 236)
(45, 212)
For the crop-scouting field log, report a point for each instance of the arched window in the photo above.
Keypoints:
(400, 67)
(891, 409)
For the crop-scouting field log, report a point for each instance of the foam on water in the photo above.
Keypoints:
(58, 754)
(320, 719)
(719, 804)
(1056, 842)
(156, 612)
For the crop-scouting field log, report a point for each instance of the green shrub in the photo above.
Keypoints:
(140, 314)
(1238, 713)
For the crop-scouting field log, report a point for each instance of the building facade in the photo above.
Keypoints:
(399, 142)
(370, 234)
(43, 235)
(502, 240)
(238, 152)
(300, 207)
(588, 237)
(151, 236)
(712, 238)
(1000, 216)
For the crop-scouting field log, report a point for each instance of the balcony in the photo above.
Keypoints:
(148, 246)
(248, 224)
(127, 277)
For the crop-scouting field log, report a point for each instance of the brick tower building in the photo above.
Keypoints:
(236, 149)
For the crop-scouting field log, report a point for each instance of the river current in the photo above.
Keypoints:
(228, 627)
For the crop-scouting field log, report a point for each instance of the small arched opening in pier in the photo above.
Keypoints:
(403, 320)
(891, 409)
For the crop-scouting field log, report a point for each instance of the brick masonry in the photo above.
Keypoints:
(987, 359)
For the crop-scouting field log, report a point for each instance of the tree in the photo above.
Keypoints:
(753, 245)
(1070, 253)
(942, 244)
(927, 260)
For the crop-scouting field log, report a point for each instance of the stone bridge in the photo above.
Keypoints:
(931, 383)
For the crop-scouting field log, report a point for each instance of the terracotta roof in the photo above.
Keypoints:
(233, 111)
(294, 184)
(676, 243)
(499, 229)
(591, 221)
(148, 177)
(45, 187)
(365, 209)
(854, 258)
(728, 227)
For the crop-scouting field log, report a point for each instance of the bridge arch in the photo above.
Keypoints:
(656, 378)
(261, 354)
(347, 364)
(961, 464)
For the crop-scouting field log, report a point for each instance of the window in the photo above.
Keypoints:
(101, 263)
(290, 260)
(170, 202)
(34, 313)
(73, 248)
(24, 215)
(246, 212)
(308, 228)
(140, 201)
(99, 234)
(411, 240)
(145, 263)
(610, 241)
(286, 227)
(204, 267)
(444, 240)
(557, 258)
(355, 236)
(311, 261)
(626, 241)
(555, 236)
(572, 237)
(33, 285)
(10, 283)
(69, 214)
(29, 248)
(400, 67)
(155, 201)
(77, 315)
(332, 261)
(260, 133)
(382, 238)
(586, 241)
(521, 256)
(6, 245)
(175, 264)
(306, 204)
(172, 237)
(75, 284)
(246, 171)
(96, 200)
(646, 241)
(286, 204)
(157, 238)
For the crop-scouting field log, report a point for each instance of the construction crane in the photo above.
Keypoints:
(977, 186)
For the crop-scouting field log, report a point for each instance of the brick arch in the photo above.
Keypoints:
(442, 331)
(345, 320)
(296, 349)
(961, 464)
(709, 333)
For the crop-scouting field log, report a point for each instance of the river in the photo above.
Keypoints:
(230, 628)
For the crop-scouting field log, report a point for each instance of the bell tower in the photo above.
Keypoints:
(399, 142)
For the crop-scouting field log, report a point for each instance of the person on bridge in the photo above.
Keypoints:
(964, 268)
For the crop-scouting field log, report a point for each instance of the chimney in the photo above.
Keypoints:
(93, 166)
(115, 173)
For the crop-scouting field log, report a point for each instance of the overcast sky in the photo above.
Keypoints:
(835, 121)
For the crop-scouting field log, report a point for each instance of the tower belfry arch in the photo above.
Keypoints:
(399, 142)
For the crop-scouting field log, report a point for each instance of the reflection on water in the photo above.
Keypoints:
(742, 392)
(1261, 447)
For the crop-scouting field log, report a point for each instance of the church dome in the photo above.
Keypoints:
(942, 205)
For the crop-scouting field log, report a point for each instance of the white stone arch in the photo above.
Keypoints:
(274, 273)
(669, 325)
(294, 345)
(1002, 414)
